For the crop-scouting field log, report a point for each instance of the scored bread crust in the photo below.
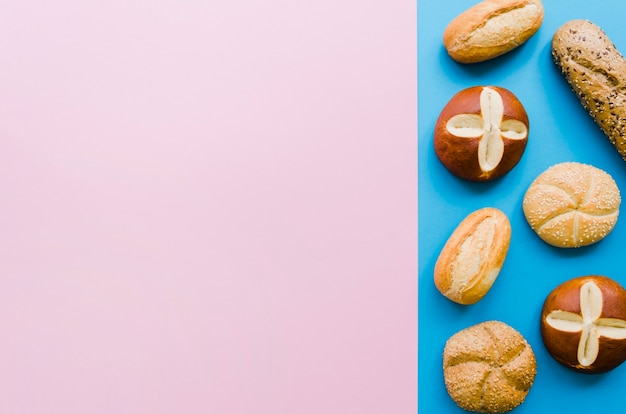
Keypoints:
(460, 154)
(596, 71)
(469, 39)
(572, 205)
(472, 258)
(488, 367)
(564, 345)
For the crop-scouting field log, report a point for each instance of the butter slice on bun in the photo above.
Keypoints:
(481, 133)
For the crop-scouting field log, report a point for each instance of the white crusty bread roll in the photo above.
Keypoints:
(492, 28)
(596, 71)
(472, 258)
(572, 204)
(488, 367)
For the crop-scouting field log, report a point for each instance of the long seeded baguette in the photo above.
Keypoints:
(596, 71)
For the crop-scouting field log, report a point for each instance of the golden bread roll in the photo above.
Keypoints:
(583, 324)
(488, 368)
(492, 28)
(596, 71)
(481, 133)
(572, 205)
(471, 259)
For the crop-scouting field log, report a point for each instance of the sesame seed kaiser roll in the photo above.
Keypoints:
(572, 205)
(488, 368)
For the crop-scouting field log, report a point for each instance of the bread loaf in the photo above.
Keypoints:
(596, 71)
(471, 259)
(572, 205)
(481, 133)
(492, 28)
(488, 367)
(583, 324)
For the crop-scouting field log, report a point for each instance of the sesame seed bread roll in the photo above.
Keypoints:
(488, 367)
(572, 205)
(596, 72)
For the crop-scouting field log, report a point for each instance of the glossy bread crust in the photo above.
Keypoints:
(460, 154)
(567, 303)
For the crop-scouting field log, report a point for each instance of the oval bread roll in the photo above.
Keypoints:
(572, 205)
(488, 367)
(596, 71)
(471, 259)
(492, 28)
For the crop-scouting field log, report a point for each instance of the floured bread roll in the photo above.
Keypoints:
(488, 368)
(572, 205)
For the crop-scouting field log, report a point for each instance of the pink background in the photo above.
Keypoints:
(208, 206)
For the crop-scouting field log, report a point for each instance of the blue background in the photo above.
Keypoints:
(560, 130)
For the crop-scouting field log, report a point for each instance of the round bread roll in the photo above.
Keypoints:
(488, 367)
(481, 133)
(583, 324)
(572, 205)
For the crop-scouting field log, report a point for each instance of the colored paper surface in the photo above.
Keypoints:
(560, 131)
(208, 206)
